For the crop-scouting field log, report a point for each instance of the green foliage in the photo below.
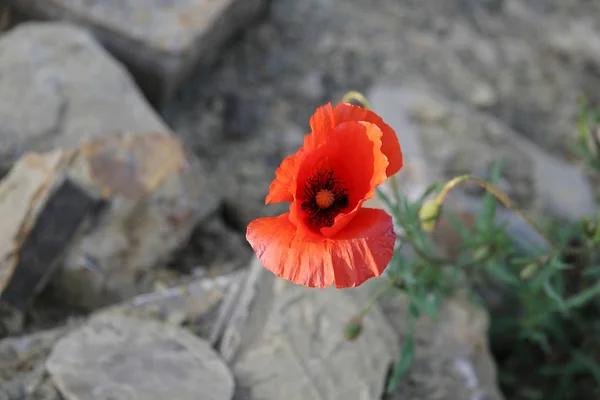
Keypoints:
(546, 336)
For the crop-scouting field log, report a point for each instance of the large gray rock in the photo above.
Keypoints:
(286, 341)
(194, 305)
(152, 191)
(128, 358)
(59, 87)
(159, 41)
(67, 94)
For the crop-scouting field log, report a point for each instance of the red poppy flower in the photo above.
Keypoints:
(327, 237)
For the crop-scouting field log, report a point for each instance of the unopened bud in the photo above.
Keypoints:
(528, 271)
(481, 253)
(357, 99)
(353, 329)
(429, 214)
(590, 228)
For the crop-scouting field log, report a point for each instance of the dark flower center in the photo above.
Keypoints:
(324, 198)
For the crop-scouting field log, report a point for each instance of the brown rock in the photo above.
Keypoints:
(42, 212)
(159, 41)
(154, 193)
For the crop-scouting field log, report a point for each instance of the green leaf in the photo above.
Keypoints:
(432, 188)
(385, 198)
(589, 363)
(541, 339)
(402, 365)
(553, 294)
(582, 298)
(458, 226)
(503, 274)
(592, 271)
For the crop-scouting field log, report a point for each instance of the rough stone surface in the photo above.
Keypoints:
(159, 41)
(42, 213)
(195, 305)
(452, 357)
(22, 372)
(456, 140)
(286, 341)
(154, 193)
(311, 52)
(127, 358)
(407, 110)
(63, 87)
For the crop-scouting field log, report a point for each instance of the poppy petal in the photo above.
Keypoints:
(345, 112)
(359, 252)
(321, 123)
(363, 249)
(288, 255)
(353, 153)
(280, 188)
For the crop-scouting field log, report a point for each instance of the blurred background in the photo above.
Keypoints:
(139, 138)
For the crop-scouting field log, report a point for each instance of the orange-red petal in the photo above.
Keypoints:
(390, 146)
(353, 152)
(363, 249)
(288, 255)
(321, 123)
(357, 253)
(285, 175)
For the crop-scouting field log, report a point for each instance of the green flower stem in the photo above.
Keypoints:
(493, 190)
(441, 197)
(373, 299)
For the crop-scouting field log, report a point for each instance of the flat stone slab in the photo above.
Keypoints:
(160, 41)
(61, 86)
(286, 341)
(116, 357)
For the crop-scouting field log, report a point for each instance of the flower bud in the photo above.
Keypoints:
(357, 99)
(528, 271)
(353, 329)
(590, 228)
(481, 253)
(429, 214)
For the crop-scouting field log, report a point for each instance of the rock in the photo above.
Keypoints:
(286, 341)
(452, 357)
(216, 246)
(153, 193)
(127, 358)
(469, 142)
(483, 96)
(195, 305)
(393, 106)
(62, 87)
(22, 374)
(161, 42)
(42, 212)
